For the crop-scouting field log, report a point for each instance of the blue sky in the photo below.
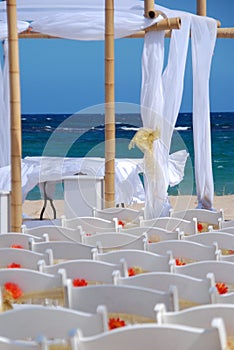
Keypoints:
(65, 76)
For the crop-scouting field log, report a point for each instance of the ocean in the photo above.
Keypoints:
(64, 135)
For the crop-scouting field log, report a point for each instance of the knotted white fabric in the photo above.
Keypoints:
(161, 99)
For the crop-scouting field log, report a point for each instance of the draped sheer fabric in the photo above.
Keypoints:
(161, 99)
(161, 90)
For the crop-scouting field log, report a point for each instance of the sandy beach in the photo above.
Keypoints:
(32, 208)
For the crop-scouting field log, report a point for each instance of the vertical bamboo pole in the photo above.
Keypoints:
(109, 105)
(149, 8)
(16, 146)
(201, 7)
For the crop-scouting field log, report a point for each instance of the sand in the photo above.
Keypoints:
(33, 208)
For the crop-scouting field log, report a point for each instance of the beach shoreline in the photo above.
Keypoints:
(32, 208)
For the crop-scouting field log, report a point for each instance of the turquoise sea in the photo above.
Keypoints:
(83, 135)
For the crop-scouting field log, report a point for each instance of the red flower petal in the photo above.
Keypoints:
(13, 266)
(121, 223)
(18, 246)
(199, 227)
(131, 271)
(13, 289)
(116, 323)
(221, 288)
(179, 262)
(79, 282)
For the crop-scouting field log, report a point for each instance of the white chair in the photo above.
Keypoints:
(18, 240)
(203, 216)
(31, 321)
(154, 234)
(63, 250)
(199, 316)
(134, 304)
(31, 286)
(223, 272)
(190, 290)
(225, 229)
(185, 250)
(172, 224)
(226, 223)
(55, 233)
(91, 224)
(91, 270)
(225, 241)
(115, 241)
(126, 215)
(154, 336)
(143, 261)
(9, 344)
(11, 257)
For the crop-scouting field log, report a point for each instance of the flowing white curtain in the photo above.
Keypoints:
(161, 99)
(203, 43)
(4, 110)
(5, 144)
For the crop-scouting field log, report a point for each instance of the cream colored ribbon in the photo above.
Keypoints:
(144, 139)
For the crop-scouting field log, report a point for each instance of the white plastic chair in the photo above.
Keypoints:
(199, 316)
(31, 321)
(25, 258)
(223, 272)
(90, 224)
(36, 287)
(154, 234)
(63, 250)
(115, 241)
(126, 215)
(225, 241)
(152, 336)
(9, 344)
(225, 229)
(202, 215)
(13, 239)
(185, 250)
(136, 303)
(142, 260)
(190, 289)
(226, 223)
(90, 270)
(172, 224)
(55, 233)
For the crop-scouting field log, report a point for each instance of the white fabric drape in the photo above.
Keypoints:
(161, 99)
(4, 110)
(162, 90)
(5, 144)
(203, 42)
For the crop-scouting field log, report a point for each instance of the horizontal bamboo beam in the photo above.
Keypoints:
(221, 33)
(225, 33)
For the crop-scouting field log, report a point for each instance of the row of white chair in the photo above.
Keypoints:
(72, 333)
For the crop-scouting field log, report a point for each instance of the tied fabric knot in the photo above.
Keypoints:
(144, 139)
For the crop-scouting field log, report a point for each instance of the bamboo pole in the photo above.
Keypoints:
(201, 7)
(149, 9)
(109, 105)
(16, 143)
